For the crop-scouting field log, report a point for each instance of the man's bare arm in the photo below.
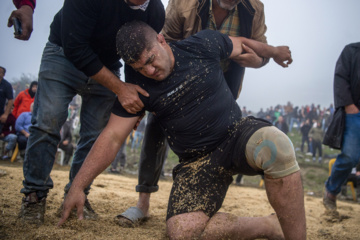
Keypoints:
(127, 93)
(99, 158)
(280, 54)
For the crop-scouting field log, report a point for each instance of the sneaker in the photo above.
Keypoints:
(88, 211)
(32, 209)
(328, 201)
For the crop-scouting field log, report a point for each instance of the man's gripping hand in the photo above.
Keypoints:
(74, 199)
(129, 98)
(282, 56)
(249, 58)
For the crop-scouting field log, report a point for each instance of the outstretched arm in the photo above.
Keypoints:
(280, 54)
(99, 158)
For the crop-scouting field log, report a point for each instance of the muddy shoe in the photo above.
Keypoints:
(32, 209)
(88, 211)
(329, 201)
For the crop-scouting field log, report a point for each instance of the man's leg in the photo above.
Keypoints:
(286, 196)
(22, 141)
(197, 225)
(152, 158)
(345, 161)
(50, 112)
(270, 150)
(197, 194)
(11, 140)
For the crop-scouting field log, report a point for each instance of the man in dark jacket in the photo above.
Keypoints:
(347, 96)
(79, 58)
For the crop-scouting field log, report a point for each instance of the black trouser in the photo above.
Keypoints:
(153, 154)
(22, 141)
(317, 145)
(303, 140)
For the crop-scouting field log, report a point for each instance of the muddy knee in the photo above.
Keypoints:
(270, 150)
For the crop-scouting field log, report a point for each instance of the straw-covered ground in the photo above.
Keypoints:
(112, 194)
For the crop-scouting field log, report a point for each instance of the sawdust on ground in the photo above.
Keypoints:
(113, 194)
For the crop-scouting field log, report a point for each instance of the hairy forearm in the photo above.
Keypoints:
(99, 158)
(109, 80)
(104, 150)
(242, 47)
(261, 49)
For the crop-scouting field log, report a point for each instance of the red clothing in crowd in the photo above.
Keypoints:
(22, 103)
(19, 3)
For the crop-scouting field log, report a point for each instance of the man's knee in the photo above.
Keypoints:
(186, 226)
(347, 161)
(270, 150)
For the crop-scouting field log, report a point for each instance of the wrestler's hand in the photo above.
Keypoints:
(249, 58)
(25, 15)
(74, 199)
(129, 98)
(282, 56)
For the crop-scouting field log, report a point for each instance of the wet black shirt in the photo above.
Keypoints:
(194, 105)
(86, 29)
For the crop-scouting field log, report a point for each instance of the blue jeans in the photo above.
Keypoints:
(59, 81)
(292, 121)
(349, 156)
(11, 140)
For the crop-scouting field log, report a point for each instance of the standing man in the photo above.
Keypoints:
(183, 19)
(6, 97)
(204, 127)
(347, 96)
(79, 58)
(24, 12)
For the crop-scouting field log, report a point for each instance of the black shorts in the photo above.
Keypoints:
(201, 184)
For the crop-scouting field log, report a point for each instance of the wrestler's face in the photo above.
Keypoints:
(228, 4)
(156, 63)
(135, 2)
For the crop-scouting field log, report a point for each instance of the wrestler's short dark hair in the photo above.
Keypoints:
(3, 69)
(132, 39)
